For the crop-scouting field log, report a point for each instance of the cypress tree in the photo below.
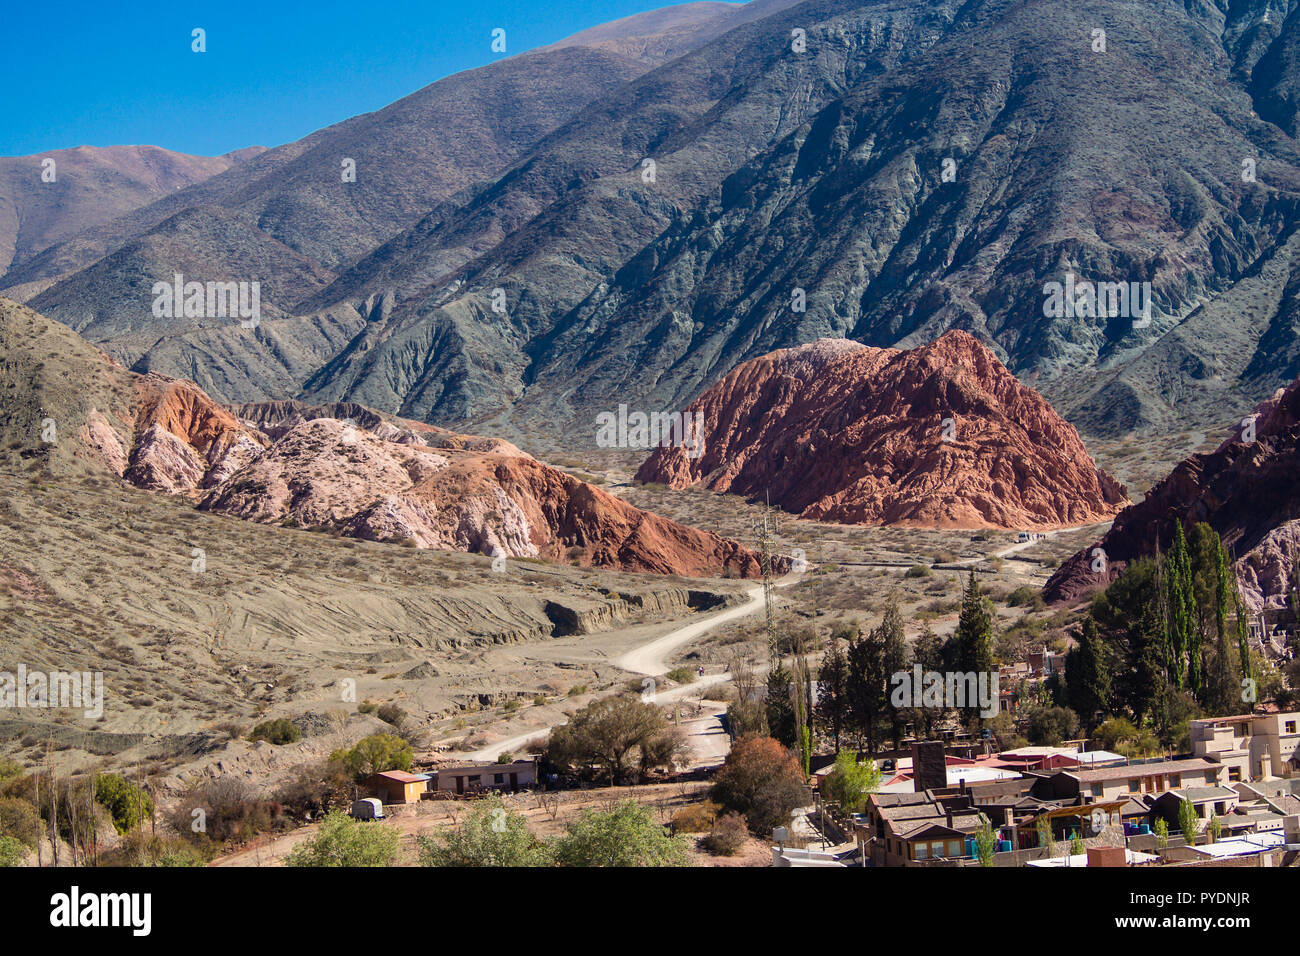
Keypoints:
(1184, 637)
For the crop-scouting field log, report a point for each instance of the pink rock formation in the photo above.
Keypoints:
(938, 436)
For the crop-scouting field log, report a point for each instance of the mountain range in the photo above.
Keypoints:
(626, 216)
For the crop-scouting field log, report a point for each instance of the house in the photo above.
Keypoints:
(1208, 801)
(488, 776)
(397, 786)
(1128, 780)
(1250, 746)
(912, 829)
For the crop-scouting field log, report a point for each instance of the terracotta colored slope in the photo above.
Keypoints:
(838, 431)
(1249, 492)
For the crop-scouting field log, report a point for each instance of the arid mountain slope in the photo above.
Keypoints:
(1247, 490)
(939, 436)
(899, 168)
(364, 476)
(54, 195)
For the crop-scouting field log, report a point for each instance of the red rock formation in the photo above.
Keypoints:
(1248, 491)
(382, 478)
(326, 473)
(838, 431)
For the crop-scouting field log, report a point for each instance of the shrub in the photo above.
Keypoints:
(280, 731)
(682, 675)
(918, 571)
(375, 754)
(851, 782)
(1028, 596)
(728, 835)
(490, 836)
(12, 851)
(696, 818)
(127, 803)
(624, 836)
(20, 820)
(391, 714)
(761, 780)
(342, 841)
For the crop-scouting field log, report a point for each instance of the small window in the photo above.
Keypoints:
(498, 778)
(922, 851)
(1290, 726)
(1234, 773)
(1135, 785)
(1175, 781)
(1098, 790)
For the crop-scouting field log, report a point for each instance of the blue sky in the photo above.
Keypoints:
(101, 74)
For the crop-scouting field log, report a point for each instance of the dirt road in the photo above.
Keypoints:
(651, 659)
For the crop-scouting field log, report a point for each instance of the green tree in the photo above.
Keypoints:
(781, 718)
(491, 835)
(986, 843)
(1044, 830)
(128, 804)
(1183, 645)
(375, 754)
(895, 653)
(851, 782)
(342, 841)
(625, 836)
(1162, 833)
(867, 685)
(831, 707)
(1188, 820)
(609, 732)
(1088, 674)
(973, 639)
(1050, 726)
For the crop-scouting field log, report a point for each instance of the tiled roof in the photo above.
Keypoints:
(1165, 767)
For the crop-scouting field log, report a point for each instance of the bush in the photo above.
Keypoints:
(918, 571)
(682, 675)
(20, 820)
(12, 852)
(624, 836)
(391, 714)
(697, 818)
(728, 835)
(375, 754)
(490, 836)
(342, 841)
(280, 731)
(128, 804)
(226, 813)
(761, 780)
(1027, 596)
(851, 782)
(1049, 726)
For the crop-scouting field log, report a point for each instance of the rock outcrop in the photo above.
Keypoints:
(938, 436)
(70, 410)
(1246, 490)
(462, 495)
